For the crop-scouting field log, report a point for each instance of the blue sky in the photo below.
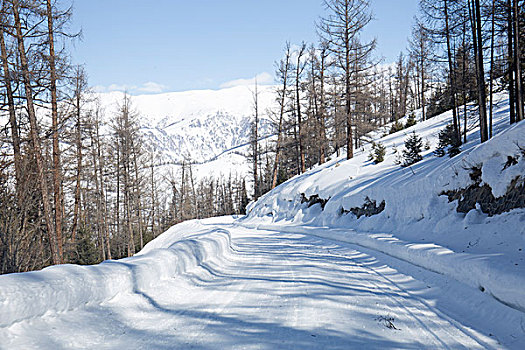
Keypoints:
(175, 45)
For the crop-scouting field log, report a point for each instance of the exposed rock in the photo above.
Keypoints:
(482, 195)
(368, 209)
(314, 199)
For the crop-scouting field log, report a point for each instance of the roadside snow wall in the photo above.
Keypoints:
(66, 287)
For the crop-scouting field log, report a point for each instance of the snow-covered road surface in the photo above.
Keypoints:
(275, 290)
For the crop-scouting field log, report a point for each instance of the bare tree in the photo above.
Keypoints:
(517, 61)
(255, 142)
(340, 29)
(420, 48)
(299, 68)
(283, 71)
(34, 131)
(478, 49)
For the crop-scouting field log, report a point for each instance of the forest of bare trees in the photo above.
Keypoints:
(330, 96)
(79, 185)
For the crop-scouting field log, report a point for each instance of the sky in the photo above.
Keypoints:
(176, 45)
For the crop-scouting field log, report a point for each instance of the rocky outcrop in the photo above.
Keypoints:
(368, 208)
(481, 194)
(315, 199)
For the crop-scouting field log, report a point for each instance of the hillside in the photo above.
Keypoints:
(406, 212)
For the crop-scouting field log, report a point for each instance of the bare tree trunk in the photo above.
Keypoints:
(57, 173)
(102, 192)
(117, 203)
(126, 158)
(100, 220)
(517, 63)
(491, 83)
(422, 72)
(138, 200)
(482, 101)
(256, 143)
(451, 74)
(78, 143)
(322, 109)
(182, 191)
(35, 138)
(15, 136)
(511, 66)
(281, 117)
(153, 199)
(348, 110)
(464, 82)
(298, 71)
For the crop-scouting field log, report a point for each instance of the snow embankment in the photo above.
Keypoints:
(66, 287)
(417, 223)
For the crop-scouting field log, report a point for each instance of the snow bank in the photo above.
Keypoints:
(66, 287)
(418, 224)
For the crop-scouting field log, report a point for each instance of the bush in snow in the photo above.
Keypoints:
(397, 126)
(412, 151)
(448, 142)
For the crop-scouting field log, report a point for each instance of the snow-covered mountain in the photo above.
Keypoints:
(198, 125)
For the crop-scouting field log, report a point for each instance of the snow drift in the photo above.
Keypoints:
(65, 287)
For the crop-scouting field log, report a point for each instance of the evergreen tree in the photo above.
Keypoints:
(379, 153)
(411, 121)
(448, 142)
(412, 151)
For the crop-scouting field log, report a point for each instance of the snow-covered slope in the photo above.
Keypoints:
(418, 223)
(197, 125)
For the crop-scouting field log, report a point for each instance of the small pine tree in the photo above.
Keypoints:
(412, 151)
(371, 155)
(86, 252)
(448, 142)
(379, 153)
(411, 121)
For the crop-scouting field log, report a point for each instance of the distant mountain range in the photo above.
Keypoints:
(197, 125)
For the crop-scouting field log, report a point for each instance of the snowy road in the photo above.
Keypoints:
(276, 290)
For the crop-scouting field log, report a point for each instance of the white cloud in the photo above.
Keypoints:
(152, 87)
(121, 87)
(149, 87)
(262, 79)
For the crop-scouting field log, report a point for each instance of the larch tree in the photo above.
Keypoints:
(283, 73)
(299, 69)
(25, 71)
(343, 25)
(477, 38)
(420, 49)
